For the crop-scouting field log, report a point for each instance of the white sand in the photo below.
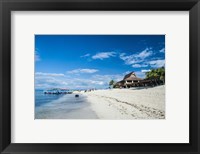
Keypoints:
(128, 103)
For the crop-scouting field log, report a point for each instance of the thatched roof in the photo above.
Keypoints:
(131, 76)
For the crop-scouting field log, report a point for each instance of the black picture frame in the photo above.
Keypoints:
(6, 6)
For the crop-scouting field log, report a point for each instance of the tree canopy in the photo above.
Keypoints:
(111, 82)
(158, 73)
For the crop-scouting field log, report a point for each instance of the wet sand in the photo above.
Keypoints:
(66, 107)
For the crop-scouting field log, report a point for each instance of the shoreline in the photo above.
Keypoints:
(66, 107)
(111, 104)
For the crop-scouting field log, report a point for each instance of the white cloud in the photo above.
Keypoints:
(162, 50)
(50, 80)
(85, 70)
(139, 65)
(103, 55)
(144, 54)
(107, 78)
(127, 72)
(131, 59)
(89, 82)
(44, 82)
(86, 55)
(144, 71)
(157, 63)
(140, 74)
(136, 58)
(48, 74)
(37, 56)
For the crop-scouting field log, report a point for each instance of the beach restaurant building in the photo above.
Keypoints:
(130, 80)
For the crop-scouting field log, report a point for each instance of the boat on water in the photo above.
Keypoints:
(57, 91)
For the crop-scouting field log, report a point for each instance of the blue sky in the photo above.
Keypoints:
(91, 61)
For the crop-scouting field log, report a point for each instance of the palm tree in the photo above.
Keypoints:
(156, 75)
(162, 74)
(111, 83)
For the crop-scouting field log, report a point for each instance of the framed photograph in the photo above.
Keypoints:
(99, 76)
(100, 73)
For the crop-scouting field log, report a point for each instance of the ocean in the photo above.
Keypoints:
(41, 98)
(62, 106)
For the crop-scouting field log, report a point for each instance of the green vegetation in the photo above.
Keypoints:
(111, 83)
(156, 74)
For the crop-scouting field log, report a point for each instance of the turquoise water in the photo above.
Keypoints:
(66, 106)
(41, 98)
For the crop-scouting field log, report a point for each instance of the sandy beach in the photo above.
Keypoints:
(144, 103)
